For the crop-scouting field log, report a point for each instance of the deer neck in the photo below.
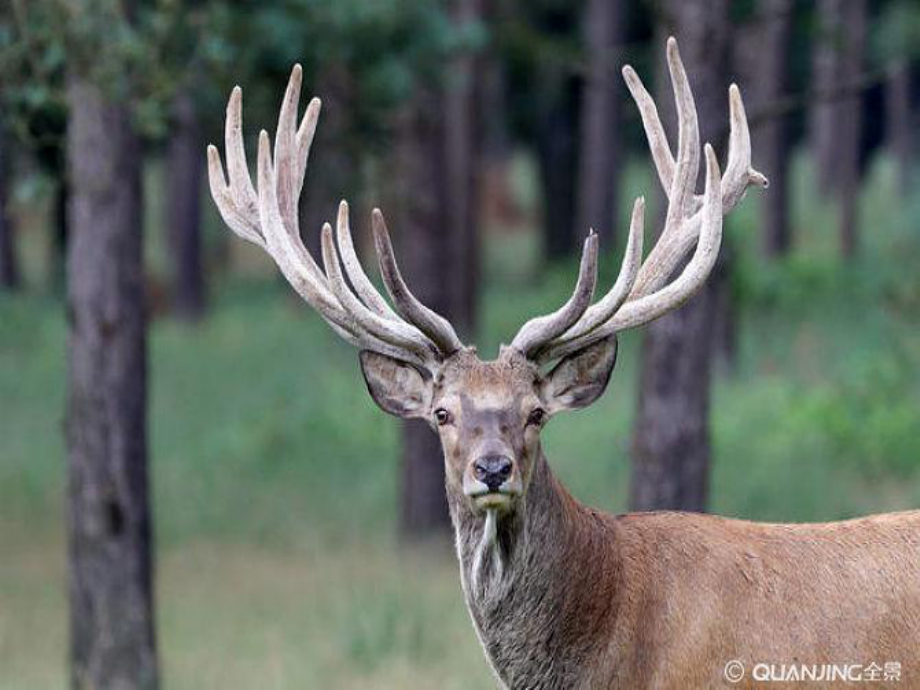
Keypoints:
(527, 574)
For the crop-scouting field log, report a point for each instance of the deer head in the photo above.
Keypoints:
(488, 413)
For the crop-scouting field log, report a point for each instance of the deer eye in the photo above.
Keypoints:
(442, 416)
(537, 417)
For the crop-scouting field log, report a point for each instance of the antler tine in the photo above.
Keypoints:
(600, 312)
(362, 284)
(668, 251)
(287, 156)
(540, 330)
(739, 174)
(651, 123)
(238, 221)
(237, 168)
(688, 139)
(305, 134)
(279, 247)
(236, 200)
(640, 311)
(428, 321)
(396, 333)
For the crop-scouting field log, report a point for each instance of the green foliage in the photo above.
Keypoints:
(384, 50)
(107, 41)
(539, 46)
(32, 59)
(380, 53)
(853, 389)
(895, 35)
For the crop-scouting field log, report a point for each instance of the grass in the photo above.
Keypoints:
(275, 475)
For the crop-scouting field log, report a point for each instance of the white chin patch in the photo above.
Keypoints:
(486, 571)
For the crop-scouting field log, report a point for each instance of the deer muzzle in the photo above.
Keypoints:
(492, 480)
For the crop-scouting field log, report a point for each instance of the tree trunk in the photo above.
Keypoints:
(462, 165)
(184, 167)
(899, 129)
(599, 156)
(826, 76)
(556, 157)
(423, 246)
(850, 125)
(770, 82)
(493, 110)
(9, 264)
(108, 517)
(671, 445)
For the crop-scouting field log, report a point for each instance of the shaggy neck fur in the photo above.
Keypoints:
(523, 575)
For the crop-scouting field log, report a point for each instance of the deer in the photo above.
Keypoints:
(562, 595)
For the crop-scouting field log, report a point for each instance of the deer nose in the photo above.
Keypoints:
(492, 470)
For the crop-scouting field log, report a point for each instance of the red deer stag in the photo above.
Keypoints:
(563, 596)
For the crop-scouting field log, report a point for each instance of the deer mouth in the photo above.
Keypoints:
(493, 499)
(484, 498)
(487, 496)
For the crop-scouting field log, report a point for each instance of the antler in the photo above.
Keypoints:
(267, 217)
(639, 294)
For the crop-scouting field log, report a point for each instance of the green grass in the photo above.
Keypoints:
(275, 475)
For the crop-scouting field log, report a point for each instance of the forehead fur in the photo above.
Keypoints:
(511, 372)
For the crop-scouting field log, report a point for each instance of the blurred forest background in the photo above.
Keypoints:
(165, 393)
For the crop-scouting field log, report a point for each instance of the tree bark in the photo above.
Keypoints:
(772, 142)
(556, 158)
(826, 74)
(184, 167)
(108, 517)
(898, 126)
(671, 443)
(850, 125)
(462, 165)
(599, 156)
(9, 264)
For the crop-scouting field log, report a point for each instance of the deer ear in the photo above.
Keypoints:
(580, 378)
(396, 386)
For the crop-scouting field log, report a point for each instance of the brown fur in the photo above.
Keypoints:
(564, 596)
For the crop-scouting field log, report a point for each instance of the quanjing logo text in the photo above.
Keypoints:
(874, 672)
